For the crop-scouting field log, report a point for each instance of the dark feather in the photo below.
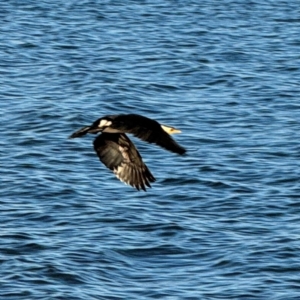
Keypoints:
(147, 130)
(80, 132)
(118, 153)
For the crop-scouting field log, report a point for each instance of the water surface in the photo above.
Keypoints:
(221, 222)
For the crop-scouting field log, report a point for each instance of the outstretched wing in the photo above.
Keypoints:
(147, 130)
(118, 153)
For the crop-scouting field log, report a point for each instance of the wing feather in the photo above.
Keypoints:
(118, 153)
(147, 130)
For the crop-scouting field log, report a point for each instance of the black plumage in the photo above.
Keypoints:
(119, 154)
(147, 130)
(116, 151)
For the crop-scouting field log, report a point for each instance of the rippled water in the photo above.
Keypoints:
(221, 222)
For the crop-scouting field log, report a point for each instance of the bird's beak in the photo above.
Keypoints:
(83, 131)
(170, 130)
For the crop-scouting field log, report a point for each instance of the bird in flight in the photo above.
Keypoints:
(116, 151)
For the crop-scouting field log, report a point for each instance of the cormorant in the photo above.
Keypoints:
(116, 151)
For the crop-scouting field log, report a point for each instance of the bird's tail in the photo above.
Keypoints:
(80, 132)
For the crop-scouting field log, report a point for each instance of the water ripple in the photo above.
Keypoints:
(220, 222)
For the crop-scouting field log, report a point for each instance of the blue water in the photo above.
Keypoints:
(222, 222)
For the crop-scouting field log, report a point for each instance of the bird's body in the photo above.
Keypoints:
(118, 153)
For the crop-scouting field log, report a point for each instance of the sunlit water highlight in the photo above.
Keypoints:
(221, 222)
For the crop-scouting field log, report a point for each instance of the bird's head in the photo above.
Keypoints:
(169, 129)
